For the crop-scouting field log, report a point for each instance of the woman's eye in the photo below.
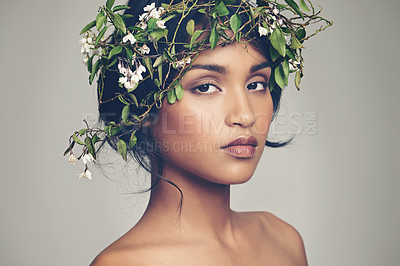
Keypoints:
(205, 89)
(257, 86)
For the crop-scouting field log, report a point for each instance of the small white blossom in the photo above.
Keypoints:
(293, 65)
(129, 37)
(148, 8)
(253, 3)
(275, 11)
(122, 80)
(160, 24)
(280, 22)
(183, 62)
(262, 31)
(122, 70)
(72, 159)
(154, 14)
(144, 49)
(143, 16)
(88, 157)
(87, 44)
(141, 69)
(85, 60)
(86, 174)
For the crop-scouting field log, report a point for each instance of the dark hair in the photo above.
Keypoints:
(145, 152)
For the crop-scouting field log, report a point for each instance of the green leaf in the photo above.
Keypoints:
(290, 54)
(279, 78)
(160, 72)
(235, 23)
(69, 147)
(274, 53)
(129, 53)
(110, 3)
(77, 140)
(147, 63)
(285, 67)
(295, 44)
(157, 83)
(297, 79)
(95, 68)
(122, 99)
(295, 7)
(125, 113)
(179, 91)
(120, 7)
(196, 35)
(90, 146)
(133, 97)
(132, 140)
(221, 8)
(168, 56)
(95, 138)
(190, 27)
(116, 50)
(82, 131)
(100, 22)
(278, 41)
(119, 23)
(304, 6)
(151, 24)
(171, 96)
(300, 34)
(101, 34)
(157, 34)
(121, 147)
(159, 61)
(213, 38)
(88, 27)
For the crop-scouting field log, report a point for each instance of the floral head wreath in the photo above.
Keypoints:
(283, 25)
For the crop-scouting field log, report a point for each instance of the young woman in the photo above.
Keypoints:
(224, 116)
(197, 146)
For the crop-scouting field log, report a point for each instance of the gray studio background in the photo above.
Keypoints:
(337, 183)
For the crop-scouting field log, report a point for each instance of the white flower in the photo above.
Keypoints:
(72, 159)
(85, 60)
(129, 37)
(143, 25)
(122, 80)
(87, 44)
(183, 62)
(262, 31)
(293, 65)
(87, 158)
(144, 49)
(280, 22)
(160, 24)
(149, 7)
(143, 16)
(275, 11)
(123, 70)
(154, 14)
(86, 174)
(253, 3)
(141, 69)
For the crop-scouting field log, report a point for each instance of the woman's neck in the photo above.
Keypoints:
(205, 207)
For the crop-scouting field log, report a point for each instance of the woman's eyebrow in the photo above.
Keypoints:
(260, 66)
(215, 68)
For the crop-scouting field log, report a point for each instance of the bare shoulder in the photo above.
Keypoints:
(136, 248)
(284, 235)
(119, 256)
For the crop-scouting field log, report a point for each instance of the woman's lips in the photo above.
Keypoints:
(242, 147)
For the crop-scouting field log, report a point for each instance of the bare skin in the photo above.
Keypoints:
(207, 231)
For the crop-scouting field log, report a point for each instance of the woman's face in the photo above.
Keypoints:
(226, 98)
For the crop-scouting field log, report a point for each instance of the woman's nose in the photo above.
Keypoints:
(240, 111)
